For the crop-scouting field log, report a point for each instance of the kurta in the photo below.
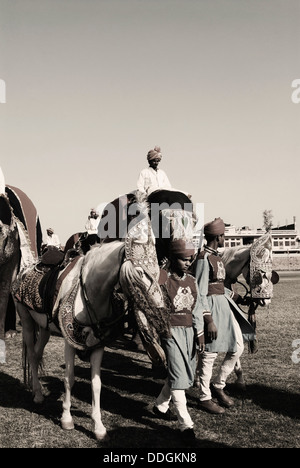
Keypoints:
(216, 299)
(91, 225)
(53, 240)
(186, 322)
(150, 180)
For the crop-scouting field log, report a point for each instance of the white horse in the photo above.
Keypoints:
(87, 319)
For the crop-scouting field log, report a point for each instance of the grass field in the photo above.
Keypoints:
(267, 415)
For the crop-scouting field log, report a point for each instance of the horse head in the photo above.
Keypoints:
(254, 263)
(261, 275)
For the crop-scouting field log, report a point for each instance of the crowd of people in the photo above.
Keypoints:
(203, 322)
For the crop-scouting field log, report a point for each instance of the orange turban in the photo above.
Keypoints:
(215, 228)
(155, 153)
(182, 247)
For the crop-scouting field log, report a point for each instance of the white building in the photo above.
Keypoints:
(285, 239)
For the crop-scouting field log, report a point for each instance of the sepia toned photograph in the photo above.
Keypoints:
(149, 226)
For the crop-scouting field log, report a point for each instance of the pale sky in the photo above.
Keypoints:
(92, 85)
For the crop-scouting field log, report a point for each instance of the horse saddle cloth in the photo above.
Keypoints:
(39, 287)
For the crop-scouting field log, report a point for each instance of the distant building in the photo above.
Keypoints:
(285, 239)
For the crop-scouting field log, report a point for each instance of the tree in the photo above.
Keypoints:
(268, 217)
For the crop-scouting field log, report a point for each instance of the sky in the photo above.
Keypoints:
(92, 85)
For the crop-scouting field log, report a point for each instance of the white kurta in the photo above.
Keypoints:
(150, 180)
(92, 225)
(53, 240)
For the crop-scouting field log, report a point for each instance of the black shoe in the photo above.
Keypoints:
(222, 398)
(211, 407)
(167, 416)
(188, 436)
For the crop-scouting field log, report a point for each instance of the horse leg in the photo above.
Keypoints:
(96, 360)
(42, 340)
(66, 419)
(240, 382)
(28, 329)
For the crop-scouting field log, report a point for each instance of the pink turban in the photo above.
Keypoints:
(215, 228)
(155, 153)
(182, 247)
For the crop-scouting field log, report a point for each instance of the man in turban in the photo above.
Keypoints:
(224, 325)
(52, 239)
(152, 178)
(186, 327)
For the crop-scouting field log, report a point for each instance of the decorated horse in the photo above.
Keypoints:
(96, 292)
(20, 241)
(254, 263)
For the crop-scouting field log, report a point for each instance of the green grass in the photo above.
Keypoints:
(267, 415)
